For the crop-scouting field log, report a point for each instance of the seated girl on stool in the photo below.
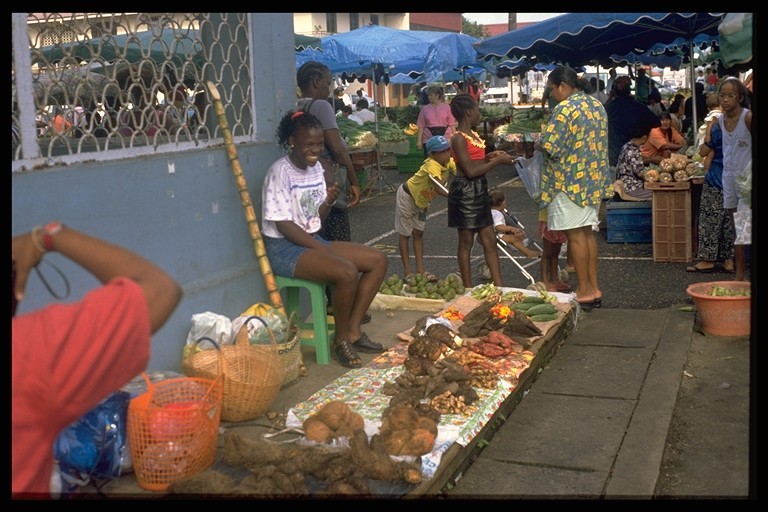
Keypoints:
(295, 199)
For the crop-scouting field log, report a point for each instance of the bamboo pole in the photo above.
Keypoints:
(245, 200)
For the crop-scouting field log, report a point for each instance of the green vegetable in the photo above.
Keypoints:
(522, 306)
(542, 309)
(719, 291)
(537, 299)
(543, 318)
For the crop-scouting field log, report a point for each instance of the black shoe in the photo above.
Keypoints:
(366, 318)
(365, 344)
(347, 355)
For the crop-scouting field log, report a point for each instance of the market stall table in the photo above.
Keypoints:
(459, 437)
(459, 434)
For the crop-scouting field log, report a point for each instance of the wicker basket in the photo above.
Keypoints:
(289, 353)
(252, 374)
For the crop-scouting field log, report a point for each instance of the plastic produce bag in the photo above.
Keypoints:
(744, 185)
(529, 170)
(258, 332)
(210, 325)
(94, 446)
(742, 220)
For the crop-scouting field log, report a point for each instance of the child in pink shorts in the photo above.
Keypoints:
(552, 242)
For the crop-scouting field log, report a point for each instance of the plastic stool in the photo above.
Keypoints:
(318, 332)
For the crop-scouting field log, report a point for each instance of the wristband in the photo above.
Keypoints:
(48, 231)
(35, 240)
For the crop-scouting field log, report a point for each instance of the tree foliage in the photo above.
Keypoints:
(471, 28)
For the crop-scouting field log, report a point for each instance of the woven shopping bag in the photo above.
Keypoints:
(289, 352)
(287, 337)
(173, 429)
(252, 374)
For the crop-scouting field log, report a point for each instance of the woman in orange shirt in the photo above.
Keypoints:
(662, 141)
(60, 125)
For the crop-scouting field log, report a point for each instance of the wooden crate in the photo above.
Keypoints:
(670, 185)
(672, 239)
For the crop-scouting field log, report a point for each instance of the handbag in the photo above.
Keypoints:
(437, 130)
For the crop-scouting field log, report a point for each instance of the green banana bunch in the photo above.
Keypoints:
(485, 291)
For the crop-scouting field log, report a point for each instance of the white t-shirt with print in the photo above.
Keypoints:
(294, 194)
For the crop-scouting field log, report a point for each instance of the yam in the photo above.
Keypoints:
(396, 442)
(420, 443)
(334, 414)
(316, 430)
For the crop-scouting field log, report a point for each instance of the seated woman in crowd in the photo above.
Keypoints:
(662, 141)
(677, 111)
(295, 199)
(630, 168)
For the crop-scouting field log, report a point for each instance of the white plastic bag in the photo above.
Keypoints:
(744, 185)
(529, 170)
(211, 325)
(742, 220)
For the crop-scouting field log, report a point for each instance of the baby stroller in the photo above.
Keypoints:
(503, 246)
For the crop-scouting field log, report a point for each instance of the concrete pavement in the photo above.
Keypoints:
(594, 423)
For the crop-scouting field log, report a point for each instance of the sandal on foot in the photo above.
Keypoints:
(694, 268)
(368, 346)
(366, 318)
(347, 355)
(562, 288)
(587, 305)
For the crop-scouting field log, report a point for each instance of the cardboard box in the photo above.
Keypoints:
(629, 222)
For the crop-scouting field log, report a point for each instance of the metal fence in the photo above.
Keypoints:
(117, 82)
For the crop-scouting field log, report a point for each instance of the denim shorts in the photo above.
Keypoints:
(283, 254)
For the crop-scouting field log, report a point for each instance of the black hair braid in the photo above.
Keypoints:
(291, 123)
(309, 71)
(461, 104)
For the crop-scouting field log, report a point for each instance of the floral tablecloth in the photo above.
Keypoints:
(361, 389)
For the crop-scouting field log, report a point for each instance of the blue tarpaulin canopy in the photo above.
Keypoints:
(581, 38)
(430, 54)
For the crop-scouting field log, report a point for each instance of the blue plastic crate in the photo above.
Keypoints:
(629, 222)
